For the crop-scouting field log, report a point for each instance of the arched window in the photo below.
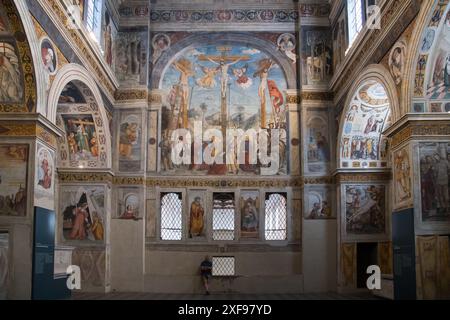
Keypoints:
(276, 216)
(171, 216)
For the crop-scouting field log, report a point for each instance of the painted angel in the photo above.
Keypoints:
(241, 77)
(208, 80)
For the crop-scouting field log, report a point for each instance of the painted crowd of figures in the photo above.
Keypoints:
(214, 86)
(81, 138)
(435, 181)
(365, 209)
(362, 138)
(82, 221)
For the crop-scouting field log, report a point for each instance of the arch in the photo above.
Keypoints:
(428, 17)
(33, 43)
(206, 39)
(76, 73)
(377, 74)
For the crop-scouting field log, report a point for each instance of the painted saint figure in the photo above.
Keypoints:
(11, 89)
(250, 216)
(129, 133)
(108, 38)
(224, 73)
(196, 222)
(80, 219)
(45, 174)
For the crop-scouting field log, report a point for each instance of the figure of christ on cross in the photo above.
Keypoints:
(221, 61)
(223, 66)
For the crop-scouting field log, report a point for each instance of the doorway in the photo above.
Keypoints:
(4, 264)
(366, 256)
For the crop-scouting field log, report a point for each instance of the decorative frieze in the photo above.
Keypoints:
(362, 177)
(317, 96)
(420, 129)
(27, 129)
(126, 95)
(74, 177)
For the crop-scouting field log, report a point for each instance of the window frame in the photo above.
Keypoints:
(236, 234)
(351, 41)
(224, 257)
(91, 25)
(158, 217)
(288, 195)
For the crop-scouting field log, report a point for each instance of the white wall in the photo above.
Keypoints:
(319, 252)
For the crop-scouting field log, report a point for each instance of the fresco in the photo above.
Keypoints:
(197, 215)
(319, 204)
(130, 57)
(130, 138)
(160, 43)
(365, 209)
(287, 44)
(432, 75)
(84, 144)
(129, 204)
(434, 181)
(83, 213)
(71, 94)
(221, 87)
(402, 177)
(11, 82)
(18, 91)
(339, 40)
(362, 144)
(317, 56)
(249, 204)
(439, 77)
(109, 37)
(81, 137)
(45, 177)
(48, 56)
(397, 60)
(317, 141)
(13, 179)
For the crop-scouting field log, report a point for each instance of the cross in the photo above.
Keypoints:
(82, 123)
(221, 60)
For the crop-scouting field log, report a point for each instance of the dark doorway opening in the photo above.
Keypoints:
(366, 256)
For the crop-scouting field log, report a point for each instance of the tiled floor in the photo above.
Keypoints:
(162, 296)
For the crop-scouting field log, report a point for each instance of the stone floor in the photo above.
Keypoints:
(163, 296)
